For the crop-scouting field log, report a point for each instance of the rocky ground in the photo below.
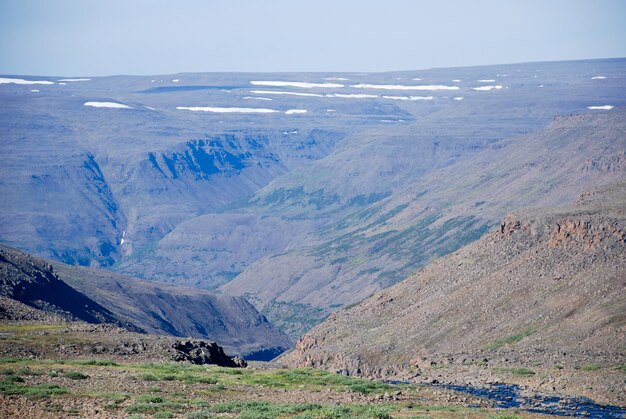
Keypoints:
(103, 389)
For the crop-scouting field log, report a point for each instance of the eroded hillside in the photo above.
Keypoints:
(544, 293)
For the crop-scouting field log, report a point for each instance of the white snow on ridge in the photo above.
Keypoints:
(295, 111)
(486, 81)
(409, 97)
(487, 88)
(598, 78)
(456, 81)
(603, 107)
(74, 80)
(301, 84)
(352, 95)
(107, 105)
(175, 80)
(62, 84)
(402, 87)
(458, 98)
(331, 110)
(35, 90)
(336, 78)
(257, 98)
(6, 80)
(417, 79)
(277, 92)
(225, 110)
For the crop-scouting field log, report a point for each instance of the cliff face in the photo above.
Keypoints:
(546, 288)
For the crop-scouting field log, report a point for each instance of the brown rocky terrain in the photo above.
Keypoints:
(540, 302)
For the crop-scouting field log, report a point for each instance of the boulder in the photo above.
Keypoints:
(201, 352)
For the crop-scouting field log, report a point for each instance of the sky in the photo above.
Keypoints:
(109, 37)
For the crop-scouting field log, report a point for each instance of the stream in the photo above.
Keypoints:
(509, 396)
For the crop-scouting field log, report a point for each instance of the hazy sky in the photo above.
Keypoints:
(84, 37)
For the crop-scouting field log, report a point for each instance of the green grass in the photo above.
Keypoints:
(621, 367)
(510, 340)
(75, 375)
(264, 409)
(588, 367)
(9, 388)
(278, 378)
(16, 328)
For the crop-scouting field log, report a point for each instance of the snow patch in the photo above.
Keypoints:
(458, 98)
(331, 110)
(409, 97)
(295, 111)
(74, 80)
(107, 105)
(598, 78)
(225, 110)
(602, 108)
(152, 109)
(257, 98)
(417, 79)
(301, 84)
(487, 88)
(295, 131)
(276, 92)
(336, 78)
(62, 84)
(486, 81)
(352, 95)
(6, 80)
(456, 81)
(175, 80)
(403, 87)
(35, 90)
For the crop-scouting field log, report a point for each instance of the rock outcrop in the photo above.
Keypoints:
(201, 352)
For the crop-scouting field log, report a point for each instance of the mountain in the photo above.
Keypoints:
(153, 308)
(222, 181)
(544, 291)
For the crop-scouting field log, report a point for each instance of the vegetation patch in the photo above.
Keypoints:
(511, 339)
(588, 367)
(75, 375)
(11, 388)
(264, 409)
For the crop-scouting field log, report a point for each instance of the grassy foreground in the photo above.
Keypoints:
(101, 388)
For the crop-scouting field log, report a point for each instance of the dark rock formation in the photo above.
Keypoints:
(201, 352)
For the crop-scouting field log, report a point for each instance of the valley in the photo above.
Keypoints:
(445, 242)
(302, 213)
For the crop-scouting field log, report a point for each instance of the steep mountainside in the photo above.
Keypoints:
(547, 289)
(27, 280)
(377, 242)
(160, 309)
